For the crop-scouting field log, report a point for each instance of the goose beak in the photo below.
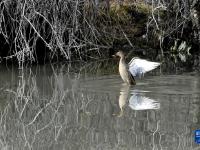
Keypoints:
(114, 56)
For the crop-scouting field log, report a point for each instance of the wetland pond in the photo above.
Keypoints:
(59, 108)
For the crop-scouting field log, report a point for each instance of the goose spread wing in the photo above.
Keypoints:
(138, 66)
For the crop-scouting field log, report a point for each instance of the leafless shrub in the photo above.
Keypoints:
(172, 19)
(66, 27)
(77, 28)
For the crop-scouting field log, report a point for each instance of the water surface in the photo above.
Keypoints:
(62, 107)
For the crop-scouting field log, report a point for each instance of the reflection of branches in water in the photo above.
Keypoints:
(93, 68)
(74, 118)
(27, 108)
(34, 113)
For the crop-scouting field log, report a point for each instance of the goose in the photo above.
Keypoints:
(136, 67)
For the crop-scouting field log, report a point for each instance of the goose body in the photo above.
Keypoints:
(136, 67)
(125, 73)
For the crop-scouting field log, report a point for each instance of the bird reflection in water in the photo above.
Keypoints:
(124, 94)
(137, 101)
(140, 102)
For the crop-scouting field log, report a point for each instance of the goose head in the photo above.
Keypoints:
(119, 54)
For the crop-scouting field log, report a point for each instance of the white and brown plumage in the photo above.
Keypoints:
(136, 67)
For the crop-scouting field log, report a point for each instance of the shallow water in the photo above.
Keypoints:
(58, 107)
